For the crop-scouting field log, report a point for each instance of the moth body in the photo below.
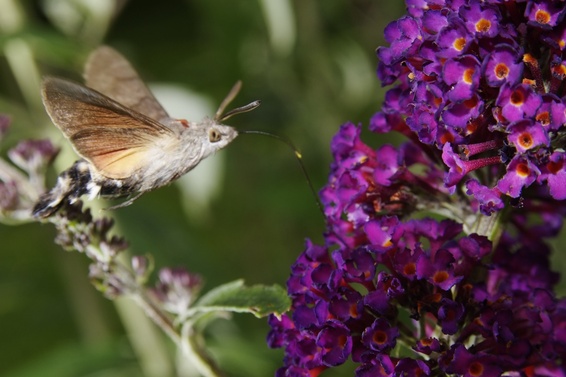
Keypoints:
(162, 163)
(128, 143)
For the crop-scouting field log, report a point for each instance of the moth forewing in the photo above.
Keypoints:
(112, 137)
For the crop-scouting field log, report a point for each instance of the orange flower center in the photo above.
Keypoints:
(380, 337)
(501, 71)
(426, 341)
(517, 98)
(543, 118)
(459, 43)
(475, 369)
(523, 170)
(542, 16)
(440, 276)
(559, 69)
(483, 26)
(468, 75)
(409, 269)
(525, 140)
(446, 137)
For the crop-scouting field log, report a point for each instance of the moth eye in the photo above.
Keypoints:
(214, 136)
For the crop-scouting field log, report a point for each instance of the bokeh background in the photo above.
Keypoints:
(243, 214)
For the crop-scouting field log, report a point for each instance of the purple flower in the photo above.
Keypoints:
(467, 364)
(486, 200)
(19, 190)
(412, 367)
(335, 342)
(502, 65)
(366, 182)
(438, 270)
(453, 39)
(450, 314)
(482, 21)
(428, 346)
(552, 113)
(403, 36)
(525, 135)
(520, 173)
(462, 74)
(456, 117)
(554, 174)
(380, 336)
(544, 14)
(518, 102)
(33, 155)
(177, 289)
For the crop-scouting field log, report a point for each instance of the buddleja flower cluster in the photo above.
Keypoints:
(483, 81)
(478, 91)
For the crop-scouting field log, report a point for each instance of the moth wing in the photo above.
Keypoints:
(110, 136)
(108, 72)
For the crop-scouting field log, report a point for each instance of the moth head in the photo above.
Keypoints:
(217, 135)
(210, 134)
(198, 140)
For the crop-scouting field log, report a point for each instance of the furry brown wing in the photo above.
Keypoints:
(108, 72)
(110, 136)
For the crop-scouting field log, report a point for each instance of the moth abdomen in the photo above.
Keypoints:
(113, 188)
(71, 185)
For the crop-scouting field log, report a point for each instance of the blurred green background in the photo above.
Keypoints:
(244, 215)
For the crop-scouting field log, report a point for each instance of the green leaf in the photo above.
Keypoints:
(260, 300)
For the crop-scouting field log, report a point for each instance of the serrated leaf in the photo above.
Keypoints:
(260, 300)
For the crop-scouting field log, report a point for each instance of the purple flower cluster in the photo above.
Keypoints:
(479, 94)
(383, 286)
(20, 187)
(176, 290)
(482, 81)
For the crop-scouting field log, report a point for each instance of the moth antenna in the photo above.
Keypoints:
(299, 157)
(229, 98)
(239, 110)
(219, 117)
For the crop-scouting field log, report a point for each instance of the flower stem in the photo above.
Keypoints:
(195, 353)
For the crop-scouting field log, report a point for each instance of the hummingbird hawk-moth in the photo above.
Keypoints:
(128, 144)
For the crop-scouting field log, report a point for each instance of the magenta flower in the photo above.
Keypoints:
(463, 76)
(503, 65)
(520, 173)
(554, 173)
